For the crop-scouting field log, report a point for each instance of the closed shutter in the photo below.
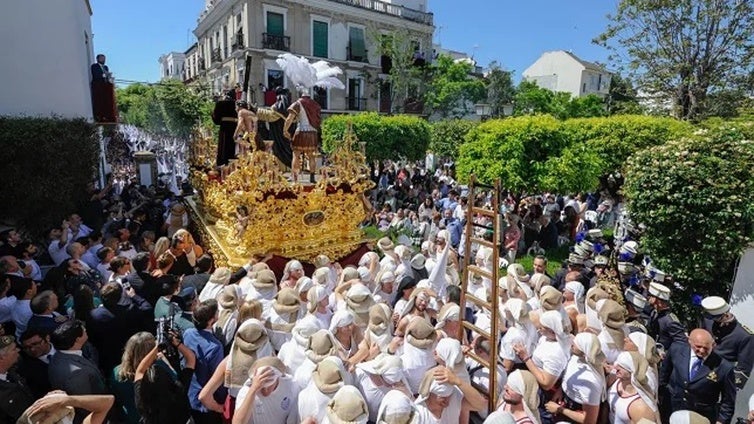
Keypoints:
(319, 34)
(275, 24)
(356, 42)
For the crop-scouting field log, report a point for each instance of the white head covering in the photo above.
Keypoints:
(554, 321)
(290, 266)
(590, 346)
(449, 312)
(389, 367)
(396, 403)
(347, 407)
(646, 345)
(517, 383)
(430, 386)
(341, 318)
(315, 295)
(304, 284)
(687, 417)
(500, 417)
(304, 329)
(576, 288)
(634, 363)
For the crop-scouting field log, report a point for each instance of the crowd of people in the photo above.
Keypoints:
(134, 314)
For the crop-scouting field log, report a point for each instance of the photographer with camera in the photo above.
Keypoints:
(161, 388)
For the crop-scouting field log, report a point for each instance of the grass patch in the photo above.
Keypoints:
(555, 257)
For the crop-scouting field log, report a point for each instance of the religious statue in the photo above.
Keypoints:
(305, 111)
(274, 119)
(226, 117)
(246, 130)
(242, 220)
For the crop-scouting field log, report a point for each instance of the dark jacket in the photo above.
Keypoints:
(712, 391)
(111, 327)
(98, 73)
(15, 397)
(735, 343)
(34, 372)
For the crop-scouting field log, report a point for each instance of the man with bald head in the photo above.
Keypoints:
(698, 379)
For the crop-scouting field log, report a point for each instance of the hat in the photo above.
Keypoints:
(221, 276)
(389, 367)
(387, 277)
(612, 314)
(315, 295)
(715, 305)
(629, 248)
(268, 361)
(659, 291)
(321, 261)
(600, 260)
(595, 234)
(321, 345)
(328, 377)
(340, 319)
(228, 297)
(403, 252)
(574, 259)
(6, 341)
(448, 312)
(347, 407)
(626, 268)
(654, 274)
(286, 301)
(418, 261)
(380, 318)
(385, 244)
(321, 275)
(397, 408)
(420, 333)
(359, 299)
(687, 417)
(636, 299)
(518, 273)
(550, 298)
(304, 284)
(265, 280)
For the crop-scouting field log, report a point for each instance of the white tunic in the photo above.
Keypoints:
(450, 415)
(416, 362)
(549, 357)
(372, 394)
(277, 408)
(303, 374)
(581, 384)
(312, 402)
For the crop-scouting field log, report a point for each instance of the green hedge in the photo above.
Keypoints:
(47, 163)
(448, 135)
(386, 137)
(541, 152)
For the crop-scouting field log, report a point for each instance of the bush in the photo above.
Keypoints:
(448, 135)
(47, 163)
(386, 137)
(694, 196)
(616, 138)
(514, 150)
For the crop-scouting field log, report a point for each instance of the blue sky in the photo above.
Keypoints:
(134, 33)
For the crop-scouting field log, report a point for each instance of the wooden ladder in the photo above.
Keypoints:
(470, 269)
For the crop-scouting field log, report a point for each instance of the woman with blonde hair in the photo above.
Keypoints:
(160, 246)
(137, 348)
(192, 250)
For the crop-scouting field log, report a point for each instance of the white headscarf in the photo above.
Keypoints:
(389, 367)
(394, 403)
(687, 417)
(518, 385)
(450, 351)
(631, 362)
(341, 318)
(554, 321)
(304, 329)
(590, 346)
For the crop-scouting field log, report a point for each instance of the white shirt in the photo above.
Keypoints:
(549, 357)
(58, 254)
(46, 357)
(449, 415)
(210, 291)
(292, 354)
(312, 402)
(21, 314)
(373, 394)
(416, 362)
(581, 384)
(303, 374)
(277, 408)
(73, 352)
(104, 269)
(693, 359)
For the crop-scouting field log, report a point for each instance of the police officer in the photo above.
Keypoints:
(663, 326)
(636, 304)
(735, 342)
(15, 395)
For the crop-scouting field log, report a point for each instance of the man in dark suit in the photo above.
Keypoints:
(203, 267)
(44, 306)
(113, 323)
(698, 379)
(100, 71)
(69, 370)
(35, 360)
(15, 395)
(733, 340)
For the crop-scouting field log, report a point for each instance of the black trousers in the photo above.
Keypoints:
(206, 417)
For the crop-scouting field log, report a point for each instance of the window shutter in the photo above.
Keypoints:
(275, 24)
(356, 41)
(319, 34)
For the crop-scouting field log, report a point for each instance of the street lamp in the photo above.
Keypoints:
(483, 111)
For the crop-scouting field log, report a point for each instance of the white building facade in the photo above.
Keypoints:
(45, 69)
(172, 66)
(562, 71)
(343, 32)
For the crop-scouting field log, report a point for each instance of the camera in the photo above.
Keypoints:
(167, 332)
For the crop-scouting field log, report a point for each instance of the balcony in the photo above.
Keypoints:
(217, 56)
(362, 56)
(391, 9)
(238, 42)
(356, 103)
(276, 42)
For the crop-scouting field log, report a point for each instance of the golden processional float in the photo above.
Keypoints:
(250, 207)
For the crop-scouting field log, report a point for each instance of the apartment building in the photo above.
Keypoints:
(564, 71)
(344, 32)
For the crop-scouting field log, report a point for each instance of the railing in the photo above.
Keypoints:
(357, 58)
(391, 9)
(238, 43)
(217, 55)
(356, 103)
(276, 42)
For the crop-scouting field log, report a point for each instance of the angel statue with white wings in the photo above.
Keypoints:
(305, 111)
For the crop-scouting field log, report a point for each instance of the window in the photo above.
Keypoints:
(583, 88)
(356, 45)
(355, 101)
(319, 39)
(275, 24)
(225, 41)
(275, 78)
(320, 96)
(599, 82)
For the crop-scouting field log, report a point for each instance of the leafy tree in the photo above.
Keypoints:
(532, 99)
(693, 197)
(500, 89)
(452, 88)
(448, 135)
(682, 49)
(622, 99)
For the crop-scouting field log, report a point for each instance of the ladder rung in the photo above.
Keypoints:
(483, 242)
(480, 271)
(478, 301)
(474, 328)
(485, 212)
(485, 186)
(486, 227)
(483, 362)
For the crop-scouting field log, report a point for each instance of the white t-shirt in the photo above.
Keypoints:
(312, 402)
(581, 384)
(372, 394)
(549, 356)
(280, 407)
(303, 374)
(449, 415)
